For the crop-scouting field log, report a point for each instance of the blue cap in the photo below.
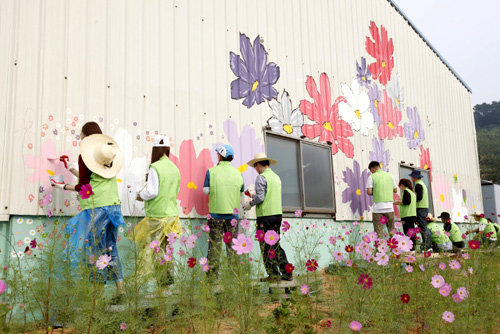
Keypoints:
(416, 174)
(225, 151)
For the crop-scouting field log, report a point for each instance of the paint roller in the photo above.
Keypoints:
(58, 179)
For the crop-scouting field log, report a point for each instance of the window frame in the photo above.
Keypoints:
(300, 141)
(429, 189)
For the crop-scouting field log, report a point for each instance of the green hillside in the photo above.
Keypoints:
(487, 118)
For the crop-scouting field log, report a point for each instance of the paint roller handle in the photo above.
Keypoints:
(65, 160)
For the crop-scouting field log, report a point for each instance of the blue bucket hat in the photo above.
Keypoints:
(416, 174)
(225, 151)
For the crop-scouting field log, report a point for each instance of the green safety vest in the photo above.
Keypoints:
(409, 210)
(455, 233)
(489, 228)
(272, 200)
(105, 193)
(437, 239)
(165, 203)
(383, 187)
(424, 202)
(225, 188)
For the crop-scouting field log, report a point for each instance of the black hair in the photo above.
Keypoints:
(229, 158)
(158, 152)
(373, 164)
(263, 163)
(91, 128)
(406, 183)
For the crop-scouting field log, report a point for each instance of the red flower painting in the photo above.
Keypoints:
(425, 160)
(329, 127)
(390, 117)
(382, 49)
(193, 169)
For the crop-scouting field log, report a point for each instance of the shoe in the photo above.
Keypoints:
(118, 299)
(271, 278)
(288, 278)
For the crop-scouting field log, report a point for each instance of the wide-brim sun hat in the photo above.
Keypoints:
(102, 155)
(476, 213)
(416, 174)
(261, 157)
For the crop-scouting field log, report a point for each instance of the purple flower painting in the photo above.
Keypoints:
(356, 189)
(245, 144)
(413, 130)
(375, 96)
(363, 74)
(255, 76)
(380, 154)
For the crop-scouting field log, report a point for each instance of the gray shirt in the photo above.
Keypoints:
(260, 190)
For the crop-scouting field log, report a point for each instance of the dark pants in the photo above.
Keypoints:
(408, 223)
(217, 230)
(458, 245)
(424, 231)
(276, 265)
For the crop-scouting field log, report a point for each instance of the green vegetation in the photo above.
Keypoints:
(487, 118)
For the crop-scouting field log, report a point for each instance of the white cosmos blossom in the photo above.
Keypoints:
(356, 111)
(285, 120)
(395, 92)
(459, 210)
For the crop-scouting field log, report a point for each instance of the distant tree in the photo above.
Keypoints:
(487, 115)
(487, 119)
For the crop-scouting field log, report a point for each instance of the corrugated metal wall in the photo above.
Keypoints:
(144, 66)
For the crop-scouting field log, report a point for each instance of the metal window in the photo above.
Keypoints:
(306, 171)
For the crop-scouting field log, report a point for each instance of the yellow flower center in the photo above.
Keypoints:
(441, 198)
(328, 126)
(458, 213)
(358, 192)
(288, 128)
(243, 168)
(390, 125)
(425, 166)
(244, 244)
(381, 165)
(384, 64)
(88, 192)
(375, 102)
(255, 85)
(397, 101)
(271, 237)
(191, 185)
(415, 134)
(364, 78)
(358, 113)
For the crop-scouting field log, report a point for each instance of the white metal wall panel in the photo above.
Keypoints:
(139, 66)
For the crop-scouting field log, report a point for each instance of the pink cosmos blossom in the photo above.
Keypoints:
(191, 241)
(209, 216)
(183, 240)
(383, 260)
(123, 326)
(245, 223)
(242, 244)
(409, 269)
(271, 237)
(167, 257)
(338, 255)
(355, 326)
(470, 270)
(410, 258)
(383, 220)
(86, 191)
(236, 211)
(445, 290)
(348, 262)
(205, 228)
(304, 289)
(404, 242)
(181, 252)
(396, 251)
(205, 267)
(285, 226)
(203, 261)
(332, 240)
(442, 266)
(234, 222)
(103, 261)
(448, 316)
(454, 264)
(397, 224)
(422, 267)
(437, 281)
(456, 298)
(462, 292)
(3, 286)
(466, 256)
(169, 249)
(382, 248)
(298, 213)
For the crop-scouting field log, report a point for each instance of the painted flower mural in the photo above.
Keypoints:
(363, 74)
(356, 189)
(459, 209)
(356, 109)
(329, 127)
(441, 192)
(256, 77)
(285, 120)
(389, 119)
(413, 130)
(395, 92)
(425, 160)
(380, 154)
(193, 169)
(47, 165)
(396, 197)
(381, 48)
(375, 97)
(245, 144)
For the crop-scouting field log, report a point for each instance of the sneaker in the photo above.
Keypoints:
(271, 278)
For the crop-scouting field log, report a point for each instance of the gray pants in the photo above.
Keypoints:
(424, 231)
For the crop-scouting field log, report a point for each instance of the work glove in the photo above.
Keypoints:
(247, 206)
(57, 185)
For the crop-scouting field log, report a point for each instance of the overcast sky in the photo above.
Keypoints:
(467, 34)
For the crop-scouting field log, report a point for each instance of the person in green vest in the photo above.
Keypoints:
(439, 239)
(267, 199)
(224, 186)
(486, 231)
(94, 231)
(408, 208)
(382, 186)
(422, 207)
(162, 214)
(455, 234)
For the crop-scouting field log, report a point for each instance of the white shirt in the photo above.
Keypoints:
(150, 191)
(381, 207)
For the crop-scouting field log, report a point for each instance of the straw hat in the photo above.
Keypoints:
(261, 157)
(101, 155)
(476, 213)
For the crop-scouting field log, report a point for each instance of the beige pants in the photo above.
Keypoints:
(379, 227)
